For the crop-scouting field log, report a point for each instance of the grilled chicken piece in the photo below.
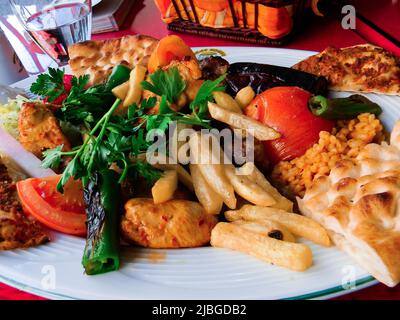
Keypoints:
(172, 224)
(39, 129)
(16, 230)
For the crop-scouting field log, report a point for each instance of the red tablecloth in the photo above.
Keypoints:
(317, 35)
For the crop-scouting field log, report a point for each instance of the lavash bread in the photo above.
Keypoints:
(359, 204)
(97, 58)
(360, 68)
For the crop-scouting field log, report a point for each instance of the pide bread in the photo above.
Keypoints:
(361, 68)
(358, 203)
(97, 58)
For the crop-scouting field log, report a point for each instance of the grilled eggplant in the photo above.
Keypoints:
(263, 76)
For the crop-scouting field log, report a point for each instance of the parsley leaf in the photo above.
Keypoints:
(199, 105)
(168, 83)
(52, 157)
(50, 84)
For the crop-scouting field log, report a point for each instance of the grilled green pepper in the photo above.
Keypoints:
(103, 202)
(119, 75)
(342, 108)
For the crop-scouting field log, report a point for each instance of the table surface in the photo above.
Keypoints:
(316, 35)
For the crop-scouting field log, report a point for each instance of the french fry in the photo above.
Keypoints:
(134, 93)
(183, 175)
(294, 256)
(164, 188)
(121, 91)
(211, 201)
(245, 96)
(248, 189)
(213, 171)
(251, 171)
(240, 121)
(297, 224)
(267, 228)
(175, 144)
(225, 101)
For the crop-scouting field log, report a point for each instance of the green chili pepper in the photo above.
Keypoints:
(119, 75)
(342, 108)
(102, 198)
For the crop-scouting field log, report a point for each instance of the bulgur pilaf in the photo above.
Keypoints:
(344, 143)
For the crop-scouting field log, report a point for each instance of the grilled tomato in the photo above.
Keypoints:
(286, 110)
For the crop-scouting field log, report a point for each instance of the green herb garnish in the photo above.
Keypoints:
(119, 139)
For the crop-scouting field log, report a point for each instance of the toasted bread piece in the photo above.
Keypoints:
(361, 68)
(358, 204)
(97, 58)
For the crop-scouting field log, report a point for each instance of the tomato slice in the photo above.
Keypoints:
(286, 110)
(62, 212)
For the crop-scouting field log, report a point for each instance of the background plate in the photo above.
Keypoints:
(201, 273)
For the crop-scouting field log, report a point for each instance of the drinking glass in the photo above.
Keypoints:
(55, 24)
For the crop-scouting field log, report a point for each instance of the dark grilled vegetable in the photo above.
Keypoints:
(213, 67)
(102, 199)
(342, 108)
(263, 76)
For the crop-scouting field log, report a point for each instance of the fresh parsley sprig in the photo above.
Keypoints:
(49, 84)
(82, 105)
(199, 105)
(105, 145)
(168, 83)
(115, 139)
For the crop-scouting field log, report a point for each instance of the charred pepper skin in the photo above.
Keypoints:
(102, 197)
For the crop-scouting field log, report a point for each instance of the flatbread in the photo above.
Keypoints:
(97, 58)
(360, 68)
(358, 204)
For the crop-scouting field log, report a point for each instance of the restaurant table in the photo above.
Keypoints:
(317, 34)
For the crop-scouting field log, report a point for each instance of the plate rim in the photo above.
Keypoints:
(330, 292)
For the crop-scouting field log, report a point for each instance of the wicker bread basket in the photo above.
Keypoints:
(268, 22)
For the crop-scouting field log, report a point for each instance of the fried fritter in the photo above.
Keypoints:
(39, 129)
(172, 224)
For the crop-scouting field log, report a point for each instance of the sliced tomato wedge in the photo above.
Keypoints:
(61, 212)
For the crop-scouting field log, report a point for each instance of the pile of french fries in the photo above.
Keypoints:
(213, 180)
(266, 227)
(269, 234)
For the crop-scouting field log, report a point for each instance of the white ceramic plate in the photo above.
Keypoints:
(201, 273)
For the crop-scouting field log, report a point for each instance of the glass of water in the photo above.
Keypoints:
(55, 24)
